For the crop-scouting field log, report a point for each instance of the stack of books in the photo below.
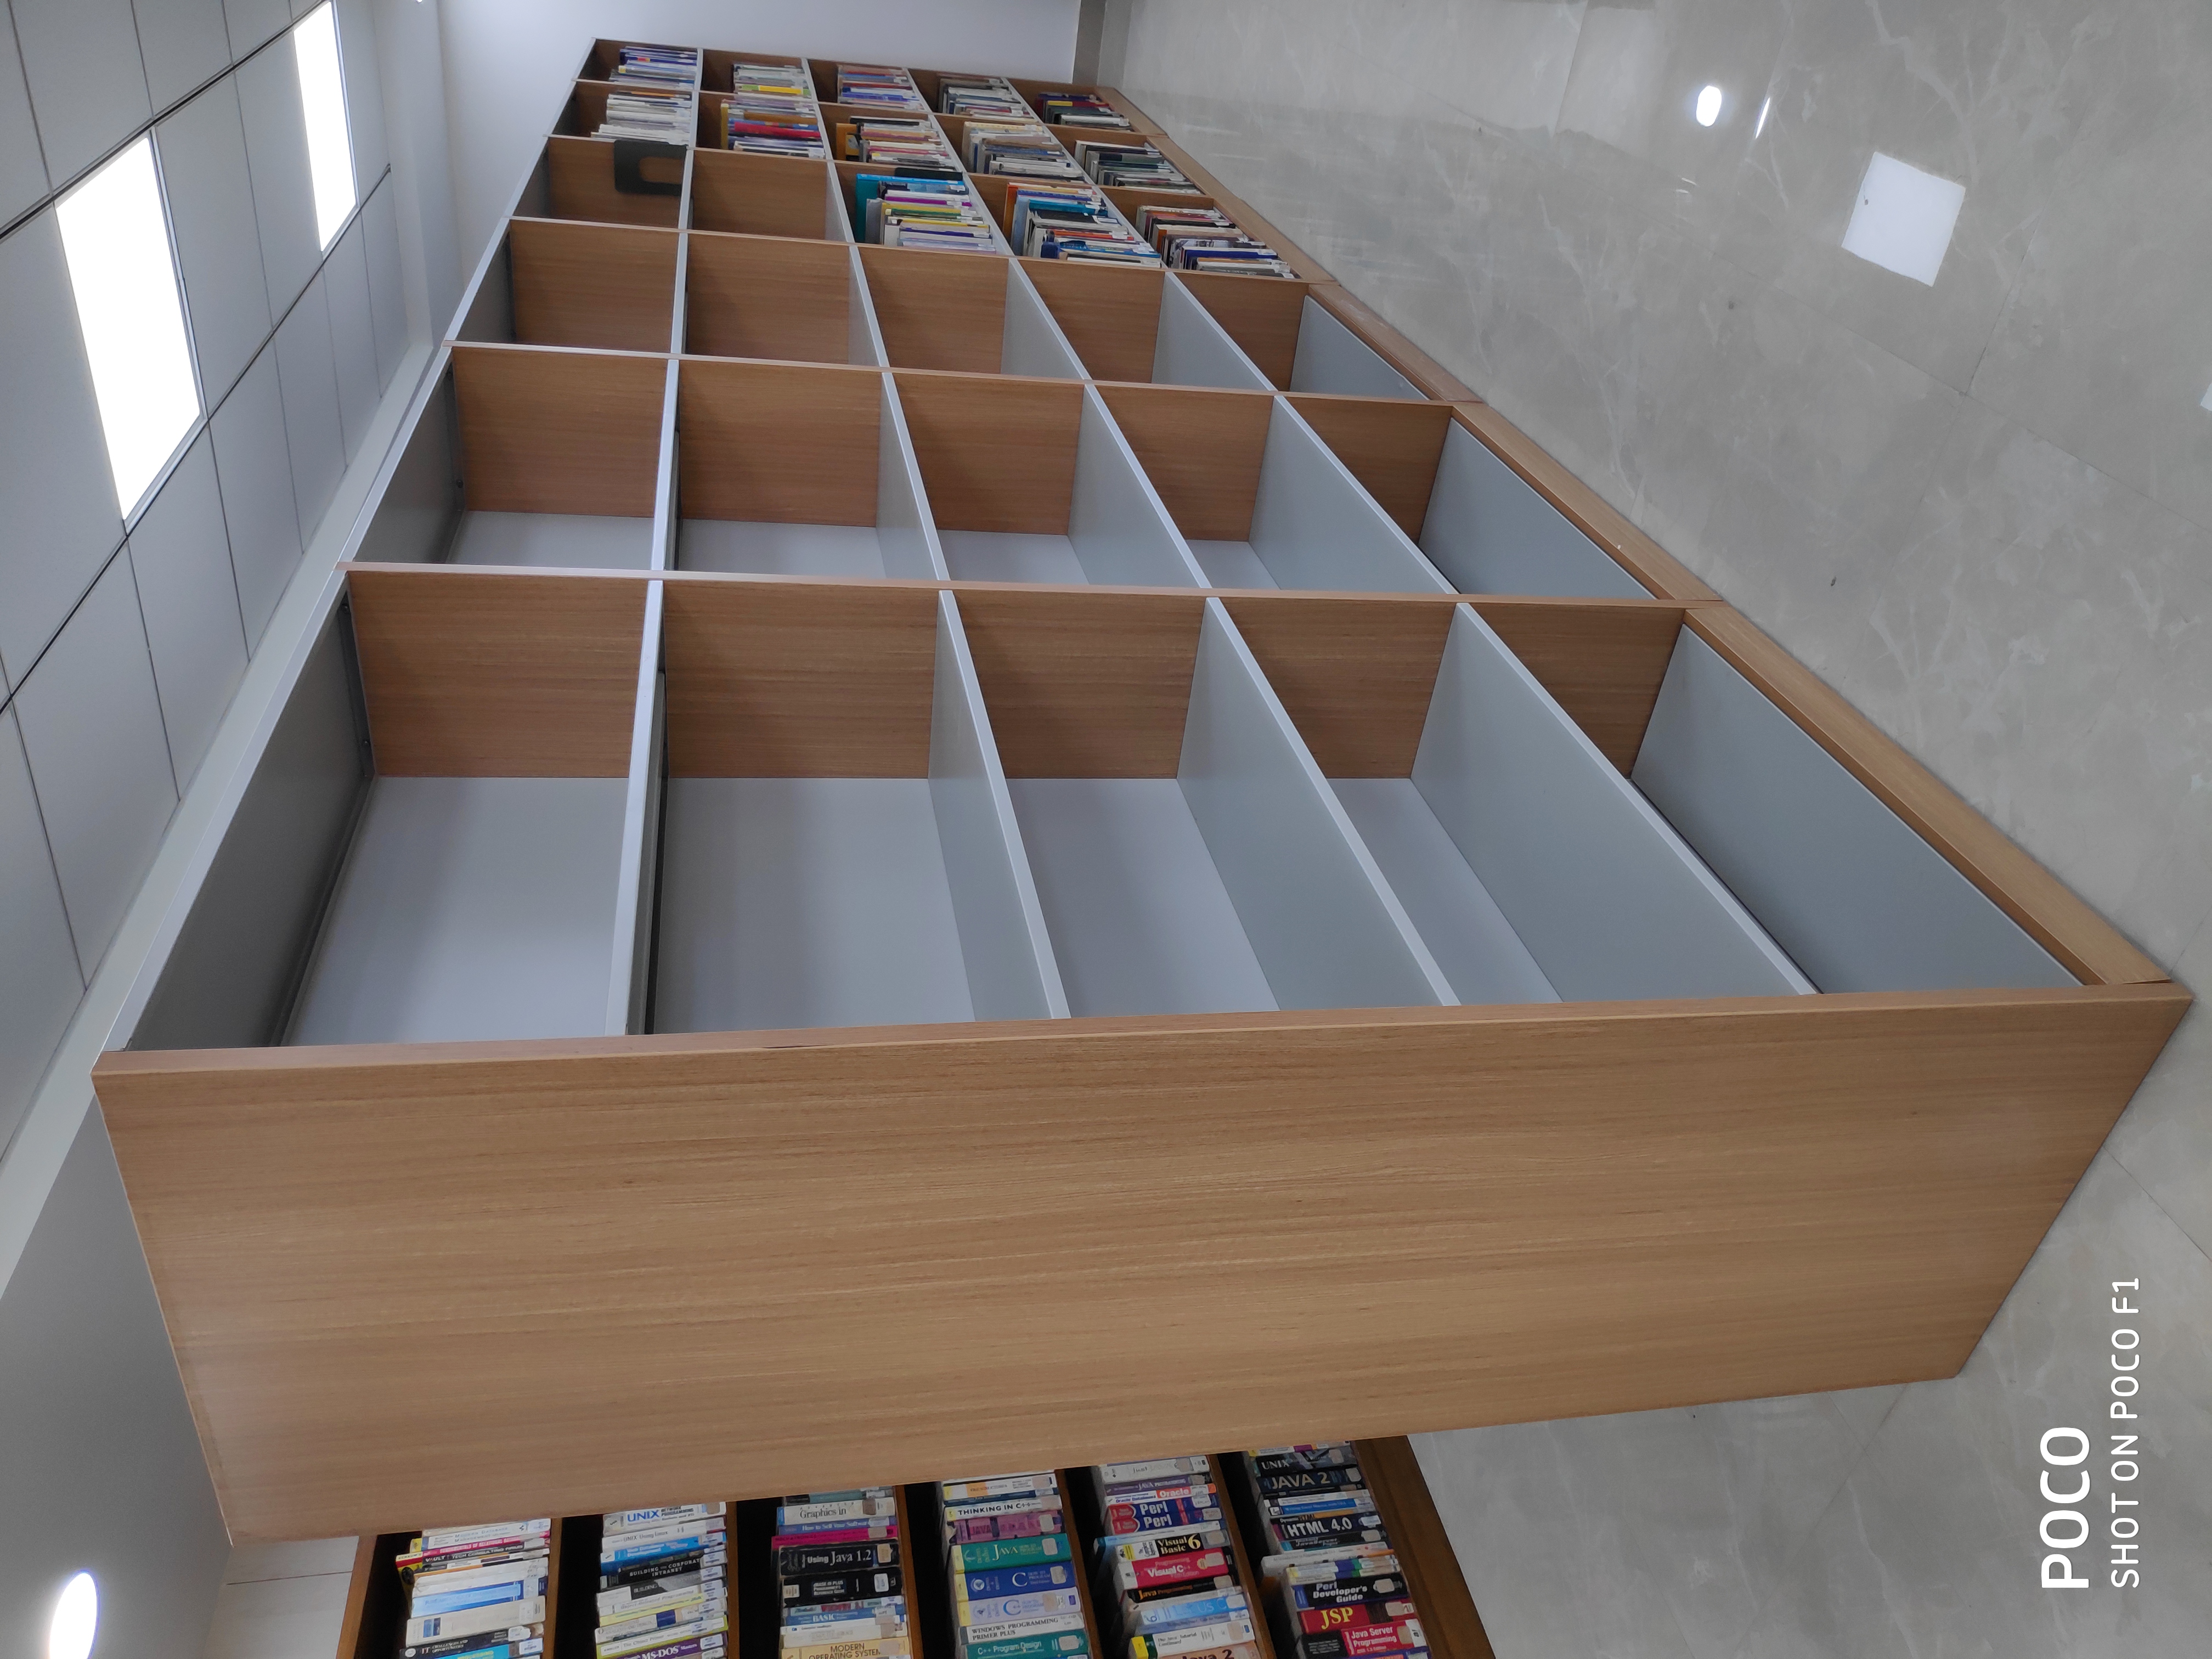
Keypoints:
(878, 85)
(906, 145)
(1206, 239)
(985, 97)
(663, 1582)
(1071, 222)
(1133, 163)
(772, 111)
(1017, 149)
(902, 211)
(1335, 1585)
(1167, 1571)
(1011, 1560)
(839, 1580)
(477, 1592)
(647, 112)
(657, 66)
(1080, 109)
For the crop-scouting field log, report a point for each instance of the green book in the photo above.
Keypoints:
(1008, 1553)
(1058, 1645)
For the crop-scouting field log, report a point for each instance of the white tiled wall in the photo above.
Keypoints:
(121, 644)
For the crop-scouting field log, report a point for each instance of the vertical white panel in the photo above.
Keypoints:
(1012, 972)
(864, 338)
(387, 293)
(1032, 342)
(836, 217)
(353, 336)
(256, 472)
(1119, 529)
(180, 555)
(1313, 525)
(634, 878)
(40, 983)
(364, 94)
(1489, 532)
(1606, 897)
(1193, 350)
(88, 84)
(1844, 885)
(307, 366)
(283, 192)
(211, 196)
(905, 531)
(56, 501)
(1330, 357)
(92, 727)
(1329, 932)
(22, 168)
(185, 43)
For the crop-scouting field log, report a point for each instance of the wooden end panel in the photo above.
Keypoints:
(1082, 684)
(799, 680)
(938, 310)
(1203, 450)
(1604, 660)
(1110, 314)
(1593, 1209)
(769, 296)
(1392, 448)
(1393, 348)
(1354, 675)
(498, 673)
(609, 286)
(759, 195)
(1261, 314)
(581, 175)
(2088, 945)
(1636, 552)
(358, 1587)
(995, 454)
(781, 443)
(1423, 1548)
(559, 431)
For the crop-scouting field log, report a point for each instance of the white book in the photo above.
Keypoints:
(668, 1514)
(475, 1621)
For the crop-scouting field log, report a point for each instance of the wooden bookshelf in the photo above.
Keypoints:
(1137, 715)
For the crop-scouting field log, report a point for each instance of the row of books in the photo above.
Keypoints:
(1016, 149)
(983, 97)
(1010, 1562)
(840, 1588)
(648, 112)
(1166, 1571)
(937, 213)
(908, 143)
(1079, 109)
(1133, 163)
(772, 111)
(1071, 222)
(656, 66)
(879, 86)
(663, 1583)
(1334, 1583)
(1200, 238)
(477, 1592)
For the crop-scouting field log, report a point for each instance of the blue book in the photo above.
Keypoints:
(1016, 1581)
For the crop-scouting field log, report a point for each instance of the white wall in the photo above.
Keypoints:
(507, 62)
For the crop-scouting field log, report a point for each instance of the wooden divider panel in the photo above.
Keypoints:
(581, 172)
(938, 310)
(498, 673)
(1083, 683)
(769, 296)
(781, 443)
(1261, 314)
(758, 195)
(609, 286)
(996, 452)
(1603, 660)
(792, 680)
(1424, 1549)
(1203, 450)
(1354, 675)
(1391, 448)
(559, 431)
(1110, 313)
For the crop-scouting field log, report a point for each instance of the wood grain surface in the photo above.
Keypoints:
(996, 452)
(545, 431)
(1448, 1617)
(1203, 450)
(1110, 313)
(938, 310)
(799, 680)
(1261, 314)
(435, 1285)
(581, 178)
(1081, 682)
(611, 286)
(782, 443)
(769, 296)
(1602, 659)
(511, 673)
(753, 195)
(2060, 922)
(1392, 448)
